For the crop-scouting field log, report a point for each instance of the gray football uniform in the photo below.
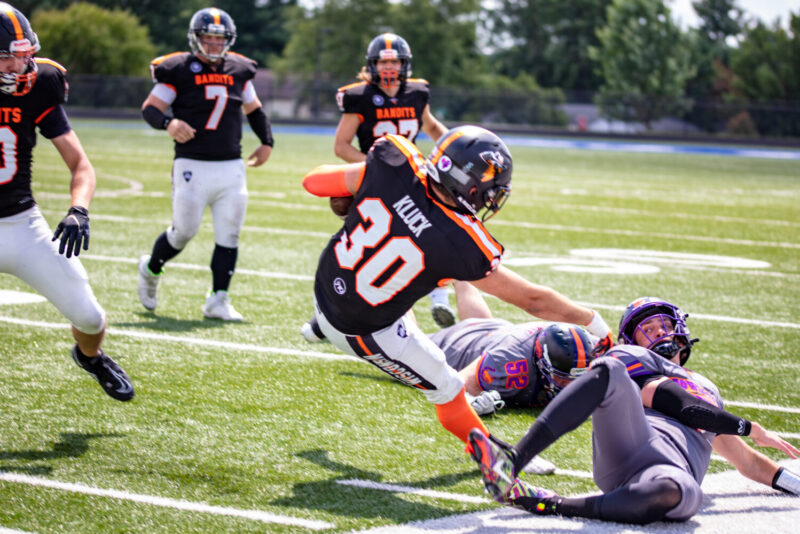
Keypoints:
(506, 357)
(633, 444)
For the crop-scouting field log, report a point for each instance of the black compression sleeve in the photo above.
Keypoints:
(674, 401)
(259, 122)
(155, 118)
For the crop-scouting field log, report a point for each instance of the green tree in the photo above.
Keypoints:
(767, 71)
(91, 40)
(548, 39)
(645, 61)
(441, 33)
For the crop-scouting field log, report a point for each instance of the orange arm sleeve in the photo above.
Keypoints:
(327, 181)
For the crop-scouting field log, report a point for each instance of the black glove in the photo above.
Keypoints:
(73, 229)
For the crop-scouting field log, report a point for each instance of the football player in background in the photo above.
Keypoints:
(386, 100)
(654, 426)
(32, 92)
(207, 89)
(415, 224)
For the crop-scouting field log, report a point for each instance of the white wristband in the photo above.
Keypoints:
(597, 326)
(787, 481)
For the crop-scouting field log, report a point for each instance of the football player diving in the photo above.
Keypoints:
(415, 224)
(207, 89)
(654, 426)
(387, 100)
(32, 93)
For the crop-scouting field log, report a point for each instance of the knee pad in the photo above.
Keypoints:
(178, 239)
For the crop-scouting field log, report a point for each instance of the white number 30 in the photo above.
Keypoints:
(398, 252)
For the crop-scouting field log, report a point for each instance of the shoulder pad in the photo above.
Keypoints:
(417, 80)
(237, 55)
(45, 61)
(352, 86)
(161, 59)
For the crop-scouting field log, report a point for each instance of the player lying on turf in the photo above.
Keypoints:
(654, 425)
(518, 365)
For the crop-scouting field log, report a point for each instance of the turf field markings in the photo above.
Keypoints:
(228, 345)
(255, 515)
(649, 235)
(396, 488)
(309, 278)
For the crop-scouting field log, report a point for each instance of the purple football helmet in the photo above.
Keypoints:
(675, 339)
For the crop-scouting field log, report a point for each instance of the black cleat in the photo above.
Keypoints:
(109, 375)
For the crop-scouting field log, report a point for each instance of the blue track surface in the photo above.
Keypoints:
(604, 145)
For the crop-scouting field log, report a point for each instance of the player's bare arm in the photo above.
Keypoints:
(342, 142)
(747, 460)
(83, 180)
(176, 128)
(540, 301)
(263, 151)
(431, 125)
(470, 303)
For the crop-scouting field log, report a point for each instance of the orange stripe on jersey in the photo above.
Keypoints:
(363, 346)
(579, 346)
(412, 153)
(360, 118)
(351, 85)
(490, 248)
(45, 61)
(43, 115)
(9, 11)
(161, 59)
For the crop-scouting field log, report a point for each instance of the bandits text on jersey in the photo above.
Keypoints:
(395, 113)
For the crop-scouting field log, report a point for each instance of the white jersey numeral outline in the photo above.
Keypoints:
(220, 94)
(8, 142)
(397, 250)
(408, 128)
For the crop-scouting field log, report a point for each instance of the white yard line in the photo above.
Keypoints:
(397, 488)
(255, 515)
(731, 503)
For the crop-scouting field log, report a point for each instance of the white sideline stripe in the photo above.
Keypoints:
(308, 278)
(395, 488)
(193, 341)
(255, 515)
(311, 354)
(634, 233)
(759, 406)
(4, 530)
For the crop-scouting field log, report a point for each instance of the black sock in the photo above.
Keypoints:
(223, 263)
(162, 253)
(566, 412)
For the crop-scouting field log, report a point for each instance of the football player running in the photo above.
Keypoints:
(415, 224)
(207, 90)
(654, 426)
(32, 92)
(386, 100)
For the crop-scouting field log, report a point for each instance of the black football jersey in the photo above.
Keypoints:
(381, 114)
(19, 117)
(397, 244)
(209, 99)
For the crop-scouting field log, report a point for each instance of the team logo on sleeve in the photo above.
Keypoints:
(339, 286)
(187, 175)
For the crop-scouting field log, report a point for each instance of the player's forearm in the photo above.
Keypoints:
(349, 153)
(82, 185)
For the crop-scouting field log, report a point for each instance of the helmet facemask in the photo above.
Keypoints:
(20, 83)
(388, 46)
(651, 317)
